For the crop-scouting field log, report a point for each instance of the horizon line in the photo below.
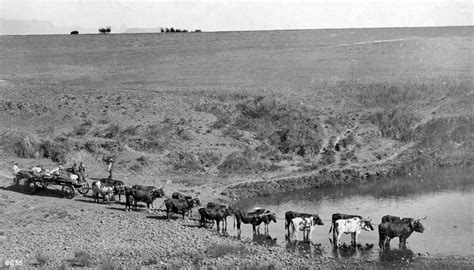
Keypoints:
(253, 30)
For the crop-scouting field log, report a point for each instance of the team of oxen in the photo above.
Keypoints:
(295, 222)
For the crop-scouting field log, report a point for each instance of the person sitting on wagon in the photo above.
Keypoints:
(16, 169)
(75, 169)
(74, 172)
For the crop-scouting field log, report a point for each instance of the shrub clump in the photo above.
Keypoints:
(209, 158)
(290, 127)
(246, 161)
(397, 124)
(181, 160)
(21, 145)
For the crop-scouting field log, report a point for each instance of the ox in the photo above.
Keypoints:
(213, 205)
(254, 218)
(180, 206)
(354, 226)
(289, 215)
(218, 213)
(105, 191)
(402, 228)
(304, 224)
(336, 217)
(142, 195)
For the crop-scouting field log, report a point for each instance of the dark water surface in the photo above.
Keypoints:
(445, 196)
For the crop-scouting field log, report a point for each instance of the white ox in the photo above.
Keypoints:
(106, 192)
(354, 226)
(306, 225)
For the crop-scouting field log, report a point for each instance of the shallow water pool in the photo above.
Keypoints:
(445, 196)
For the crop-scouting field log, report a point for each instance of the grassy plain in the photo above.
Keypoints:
(197, 103)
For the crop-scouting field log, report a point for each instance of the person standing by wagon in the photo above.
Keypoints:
(110, 166)
(82, 172)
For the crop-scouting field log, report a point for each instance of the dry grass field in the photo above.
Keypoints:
(214, 103)
(198, 112)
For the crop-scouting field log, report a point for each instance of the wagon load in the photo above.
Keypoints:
(36, 182)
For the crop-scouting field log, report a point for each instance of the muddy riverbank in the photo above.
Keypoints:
(325, 178)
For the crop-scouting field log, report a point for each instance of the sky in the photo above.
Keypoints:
(233, 15)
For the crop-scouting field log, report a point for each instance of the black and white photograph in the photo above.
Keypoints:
(236, 134)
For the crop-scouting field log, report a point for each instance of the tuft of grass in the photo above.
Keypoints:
(220, 250)
(82, 259)
(42, 259)
(209, 158)
(131, 130)
(151, 261)
(83, 128)
(110, 266)
(181, 160)
(246, 161)
(233, 132)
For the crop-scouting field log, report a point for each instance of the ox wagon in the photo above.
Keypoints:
(33, 183)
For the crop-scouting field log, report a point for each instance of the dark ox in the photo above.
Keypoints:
(141, 195)
(180, 196)
(214, 205)
(215, 212)
(180, 206)
(393, 226)
(254, 218)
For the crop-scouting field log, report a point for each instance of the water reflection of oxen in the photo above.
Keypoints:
(264, 239)
(350, 251)
(396, 255)
(305, 247)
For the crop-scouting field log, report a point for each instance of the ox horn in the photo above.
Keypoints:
(423, 218)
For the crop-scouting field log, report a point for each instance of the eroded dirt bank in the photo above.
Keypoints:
(444, 142)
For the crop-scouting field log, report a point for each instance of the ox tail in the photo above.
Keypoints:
(234, 222)
(330, 228)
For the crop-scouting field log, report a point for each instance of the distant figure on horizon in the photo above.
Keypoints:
(75, 32)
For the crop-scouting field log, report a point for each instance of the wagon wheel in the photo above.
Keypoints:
(18, 180)
(40, 184)
(69, 191)
(84, 188)
(30, 186)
